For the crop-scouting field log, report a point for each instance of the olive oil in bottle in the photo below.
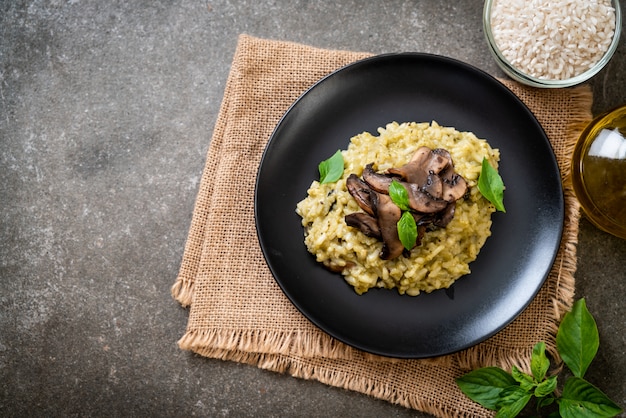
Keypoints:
(599, 172)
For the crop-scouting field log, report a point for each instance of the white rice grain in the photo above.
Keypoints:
(553, 39)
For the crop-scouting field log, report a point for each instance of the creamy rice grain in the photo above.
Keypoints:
(444, 254)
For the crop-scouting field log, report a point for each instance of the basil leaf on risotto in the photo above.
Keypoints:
(331, 169)
(491, 186)
(399, 195)
(407, 230)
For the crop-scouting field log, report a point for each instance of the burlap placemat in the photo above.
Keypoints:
(238, 312)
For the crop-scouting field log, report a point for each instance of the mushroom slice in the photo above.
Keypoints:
(365, 223)
(439, 160)
(413, 171)
(421, 201)
(444, 217)
(388, 215)
(424, 163)
(360, 191)
(454, 186)
(423, 218)
(433, 185)
(378, 182)
(421, 230)
(420, 155)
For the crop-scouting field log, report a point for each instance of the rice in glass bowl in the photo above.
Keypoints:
(552, 43)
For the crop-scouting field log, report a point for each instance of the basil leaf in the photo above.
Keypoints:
(491, 186)
(539, 363)
(547, 401)
(512, 400)
(546, 387)
(331, 169)
(399, 195)
(485, 385)
(577, 339)
(407, 230)
(525, 381)
(581, 399)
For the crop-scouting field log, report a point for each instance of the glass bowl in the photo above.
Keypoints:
(522, 77)
(598, 168)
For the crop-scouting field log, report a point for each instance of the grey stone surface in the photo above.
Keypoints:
(106, 111)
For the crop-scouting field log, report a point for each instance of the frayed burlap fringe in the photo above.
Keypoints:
(182, 291)
(303, 368)
(295, 343)
(290, 343)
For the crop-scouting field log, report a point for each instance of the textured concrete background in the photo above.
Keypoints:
(106, 111)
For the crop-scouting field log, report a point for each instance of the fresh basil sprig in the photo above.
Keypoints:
(407, 228)
(491, 186)
(332, 168)
(508, 393)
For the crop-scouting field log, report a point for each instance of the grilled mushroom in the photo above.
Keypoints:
(378, 182)
(454, 186)
(443, 218)
(424, 162)
(361, 192)
(388, 215)
(364, 223)
(421, 201)
(433, 185)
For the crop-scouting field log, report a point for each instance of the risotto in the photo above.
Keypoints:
(444, 254)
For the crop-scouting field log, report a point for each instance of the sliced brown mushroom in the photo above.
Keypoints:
(378, 182)
(420, 155)
(413, 171)
(454, 187)
(361, 192)
(423, 218)
(444, 217)
(442, 161)
(365, 223)
(423, 163)
(388, 215)
(421, 230)
(421, 201)
(433, 185)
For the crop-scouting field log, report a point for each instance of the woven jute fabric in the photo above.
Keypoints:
(237, 312)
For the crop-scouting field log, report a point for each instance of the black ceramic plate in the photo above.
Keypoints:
(512, 265)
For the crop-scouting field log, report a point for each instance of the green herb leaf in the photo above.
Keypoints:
(485, 385)
(491, 186)
(407, 230)
(546, 387)
(512, 400)
(581, 399)
(539, 363)
(577, 339)
(547, 401)
(525, 381)
(331, 169)
(399, 195)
